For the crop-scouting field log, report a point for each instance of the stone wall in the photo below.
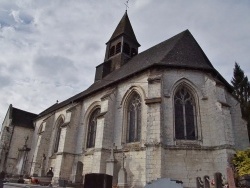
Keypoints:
(220, 129)
(18, 140)
(187, 164)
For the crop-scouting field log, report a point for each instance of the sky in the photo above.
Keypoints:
(49, 49)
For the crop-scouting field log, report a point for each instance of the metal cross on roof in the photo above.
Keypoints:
(126, 4)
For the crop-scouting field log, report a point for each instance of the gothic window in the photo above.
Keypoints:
(112, 51)
(134, 119)
(92, 124)
(118, 48)
(58, 135)
(185, 115)
(126, 49)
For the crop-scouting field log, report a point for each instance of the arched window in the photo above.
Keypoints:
(126, 49)
(58, 135)
(112, 51)
(185, 115)
(134, 119)
(92, 124)
(118, 48)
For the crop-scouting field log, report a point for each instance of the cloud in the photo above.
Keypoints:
(4, 81)
(56, 68)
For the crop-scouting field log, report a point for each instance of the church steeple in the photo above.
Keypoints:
(123, 43)
(122, 46)
(124, 28)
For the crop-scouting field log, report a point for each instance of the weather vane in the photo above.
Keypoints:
(126, 4)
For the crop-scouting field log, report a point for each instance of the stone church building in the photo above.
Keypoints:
(165, 112)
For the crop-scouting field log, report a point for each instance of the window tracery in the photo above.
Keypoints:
(185, 115)
(92, 125)
(134, 119)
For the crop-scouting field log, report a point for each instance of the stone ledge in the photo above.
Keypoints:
(223, 104)
(190, 147)
(198, 147)
(131, 147)
(101, 115)
(156, 79)
(153, 100)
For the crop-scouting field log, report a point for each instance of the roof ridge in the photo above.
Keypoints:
(23, 111)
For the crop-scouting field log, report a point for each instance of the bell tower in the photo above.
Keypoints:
(122, 46)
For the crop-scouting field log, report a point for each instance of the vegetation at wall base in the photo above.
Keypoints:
(241, 162)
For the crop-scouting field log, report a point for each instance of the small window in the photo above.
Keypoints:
(126, 49)
(134, 119)
(112, 51)
(133, 52)
(92, 128)
(185, 115)
(118, 48)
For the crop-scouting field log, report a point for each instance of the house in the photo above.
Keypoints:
(15, 140)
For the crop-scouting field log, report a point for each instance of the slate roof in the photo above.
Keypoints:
(124, 28)
(181, 51)
(22, 118)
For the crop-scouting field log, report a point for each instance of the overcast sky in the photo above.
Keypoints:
(49, 48)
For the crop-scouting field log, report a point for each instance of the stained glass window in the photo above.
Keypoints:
(134, 119)
(185, 115)
(92, 128)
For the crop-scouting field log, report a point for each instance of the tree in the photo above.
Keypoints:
(241, 91)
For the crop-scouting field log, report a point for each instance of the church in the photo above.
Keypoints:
(163, 113)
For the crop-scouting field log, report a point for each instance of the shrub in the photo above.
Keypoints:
(241, 162)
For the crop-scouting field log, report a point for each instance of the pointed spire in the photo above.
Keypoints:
(124, 28)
